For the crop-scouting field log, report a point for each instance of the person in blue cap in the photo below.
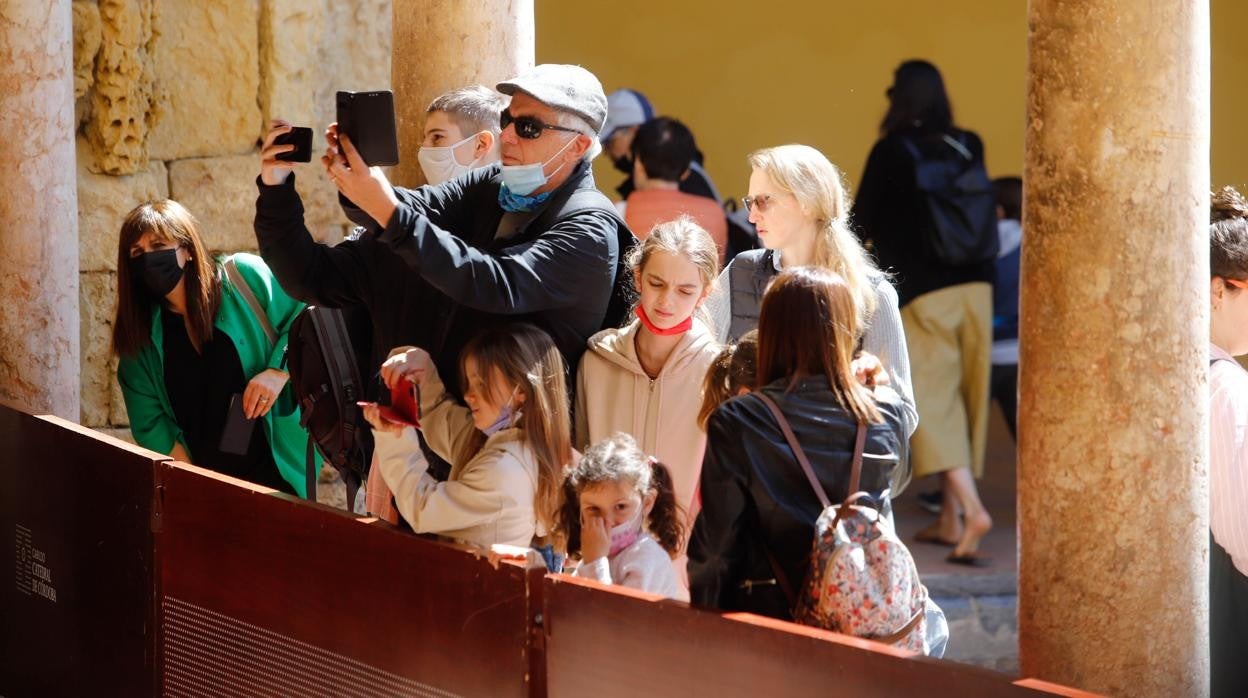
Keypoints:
(627, 110)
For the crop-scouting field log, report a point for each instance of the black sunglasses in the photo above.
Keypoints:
(528, 127)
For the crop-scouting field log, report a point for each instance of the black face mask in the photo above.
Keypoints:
(158, 271)
(624, 163)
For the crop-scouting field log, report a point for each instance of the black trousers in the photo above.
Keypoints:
(1003, 387)
(1228, 625)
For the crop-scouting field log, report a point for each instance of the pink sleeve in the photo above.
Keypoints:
(1228, 460)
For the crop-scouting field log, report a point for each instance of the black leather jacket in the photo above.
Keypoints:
(754, 493)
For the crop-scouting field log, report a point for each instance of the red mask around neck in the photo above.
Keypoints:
(679, 328)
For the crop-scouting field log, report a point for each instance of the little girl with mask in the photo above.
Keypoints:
(507, 448)
(620, 515)
(645, 379)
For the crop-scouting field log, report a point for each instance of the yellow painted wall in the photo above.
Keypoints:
(745, 75)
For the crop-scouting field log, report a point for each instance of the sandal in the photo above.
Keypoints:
(969, 559)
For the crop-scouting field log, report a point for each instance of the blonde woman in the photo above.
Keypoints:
(798, 204)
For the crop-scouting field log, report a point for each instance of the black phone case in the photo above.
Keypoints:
(301, 138)
(367, 118)
(236, 435)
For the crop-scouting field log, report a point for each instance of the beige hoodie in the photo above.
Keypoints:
(487, 500)
(614, 394)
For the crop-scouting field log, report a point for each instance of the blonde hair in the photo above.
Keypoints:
(819, 188)
(682, 237)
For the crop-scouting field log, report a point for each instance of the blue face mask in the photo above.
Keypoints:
(525, 179)
(514, 203)
(505, 416)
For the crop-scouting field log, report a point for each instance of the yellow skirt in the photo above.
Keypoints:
(949, 334)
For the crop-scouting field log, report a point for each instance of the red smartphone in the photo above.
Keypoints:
(404, 407)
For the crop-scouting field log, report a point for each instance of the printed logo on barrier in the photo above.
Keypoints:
(33, 576)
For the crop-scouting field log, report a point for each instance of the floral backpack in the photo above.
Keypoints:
(862, 579)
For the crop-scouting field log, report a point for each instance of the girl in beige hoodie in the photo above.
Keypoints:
(507, 448)
(645, 379)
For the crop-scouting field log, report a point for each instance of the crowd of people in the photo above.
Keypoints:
(617, 384)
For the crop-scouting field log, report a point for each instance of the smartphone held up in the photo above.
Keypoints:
(301, 138)
(367, 119)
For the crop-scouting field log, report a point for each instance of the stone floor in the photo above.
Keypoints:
(980, 603)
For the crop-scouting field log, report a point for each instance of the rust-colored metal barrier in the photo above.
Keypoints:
(76, 528)
(640, 644)
(264, 594)
(139, 576)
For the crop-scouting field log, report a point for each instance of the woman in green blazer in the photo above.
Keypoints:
(199, 337)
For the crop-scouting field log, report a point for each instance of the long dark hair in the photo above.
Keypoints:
(807, 327)
(167, 221)
(917, 98)
(619, 459)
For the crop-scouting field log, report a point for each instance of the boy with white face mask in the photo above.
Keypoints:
(461, 133)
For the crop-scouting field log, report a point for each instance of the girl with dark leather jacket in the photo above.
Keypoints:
(759, 510)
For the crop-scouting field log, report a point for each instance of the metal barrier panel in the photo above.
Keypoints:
(638, 644)
(262, 594)
(78, 617)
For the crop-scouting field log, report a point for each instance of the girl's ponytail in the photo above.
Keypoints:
(667, 518)
(568, 520)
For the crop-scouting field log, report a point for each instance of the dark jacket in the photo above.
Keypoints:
(754, 492)
(436, 275)
(889, 214)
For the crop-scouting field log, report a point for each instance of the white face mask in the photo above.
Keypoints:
(440, 164)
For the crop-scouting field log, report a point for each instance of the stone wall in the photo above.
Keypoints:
(172, 98)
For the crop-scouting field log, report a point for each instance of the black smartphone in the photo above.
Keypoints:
(236, 435)
(301, 138)
(367, 118)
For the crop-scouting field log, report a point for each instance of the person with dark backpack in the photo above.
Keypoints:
(927, 211)
(360, 283)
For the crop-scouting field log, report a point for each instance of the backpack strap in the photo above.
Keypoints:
(855, 474)
(782, 580)
(236, 279)
(958, 144)
(311, 473)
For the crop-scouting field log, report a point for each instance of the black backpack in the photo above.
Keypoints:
(325, 378)
(961, 205)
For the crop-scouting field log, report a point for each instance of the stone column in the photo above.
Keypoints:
(39, 209)
(443, 44)
(1113, 438)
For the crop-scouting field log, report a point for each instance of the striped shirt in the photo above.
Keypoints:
(1228, 456)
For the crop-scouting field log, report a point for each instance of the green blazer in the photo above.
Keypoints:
(142, 376)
